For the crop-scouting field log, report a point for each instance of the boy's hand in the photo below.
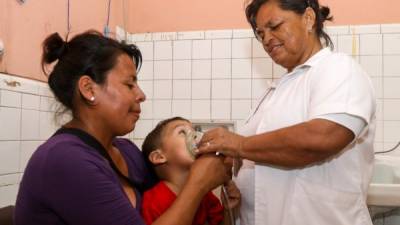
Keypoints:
(234, 196)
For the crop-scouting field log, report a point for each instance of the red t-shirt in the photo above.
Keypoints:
(158, 199)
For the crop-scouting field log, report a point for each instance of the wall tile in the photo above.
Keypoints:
(241, 89)
(161, 109)
(30, 125)
(191, 35)
(377, 82)
(9, 156)
(147, 88)
(221, 89)
(218, 34)
(201, 49)
(379, 131)
(8, 195)
(379, 109)
(201, 69)
(366, 29)
(10, 123)
(391, 109)
(243, 33)
(162, 89)
(241, 48)
(201, 89)
(240, 109)
(182, 108)
(221, 68)
(47, 125)
(391, 131)
(391, 87)
(390, 28)
(262, 68)
(10, 98)
(163, 69)
(165, 36)
(391, 44)
(201, 109)
(241, 68)
(349, 43)
(142, 128)
(183, 49)
(278, 70)
(182, 89)
(141, 37)
(371, 44)
(162, 50)
(27, 149)
(259, 86)
(147, 50)
(146, 72)
(221, 49)
(48, 104)
(147, 109)
(182, 69)
(338, 30)
(18, 84)
(258, 50)
(391, 66)
(372, 65)
(30, 101)
(221, 109)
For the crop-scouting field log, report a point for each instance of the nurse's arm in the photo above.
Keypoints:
(296, 146)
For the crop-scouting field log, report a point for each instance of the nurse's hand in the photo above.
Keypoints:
(221, 140)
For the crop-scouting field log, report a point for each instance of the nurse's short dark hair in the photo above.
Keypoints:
(89, 53)
(298, 6)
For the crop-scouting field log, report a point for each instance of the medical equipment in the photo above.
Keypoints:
(192, 139)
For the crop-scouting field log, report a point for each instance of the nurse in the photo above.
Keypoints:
(308, 144)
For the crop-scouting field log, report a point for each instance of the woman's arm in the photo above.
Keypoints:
(206, 173)
(291, 147)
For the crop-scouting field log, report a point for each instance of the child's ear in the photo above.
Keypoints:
(157, 157)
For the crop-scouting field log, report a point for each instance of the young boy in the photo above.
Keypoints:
(165, 150)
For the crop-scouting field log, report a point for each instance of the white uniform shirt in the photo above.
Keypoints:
(329, 193)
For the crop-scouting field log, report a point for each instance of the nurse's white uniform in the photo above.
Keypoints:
(329, 193)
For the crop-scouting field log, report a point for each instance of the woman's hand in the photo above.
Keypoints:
(209, 171)
(221, 140)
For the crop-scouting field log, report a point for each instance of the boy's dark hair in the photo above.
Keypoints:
(153, 139)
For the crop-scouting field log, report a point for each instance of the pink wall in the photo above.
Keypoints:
(183, 15)
(23, 27)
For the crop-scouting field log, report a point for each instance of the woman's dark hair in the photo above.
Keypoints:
(299, 7)
(89, 53)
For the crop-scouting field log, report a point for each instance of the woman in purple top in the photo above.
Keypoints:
(83, 174)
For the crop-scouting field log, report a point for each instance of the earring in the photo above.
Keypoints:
(92, 98)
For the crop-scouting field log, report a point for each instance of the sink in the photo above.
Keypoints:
(384, 189)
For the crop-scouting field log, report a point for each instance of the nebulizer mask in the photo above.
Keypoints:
(192, 139)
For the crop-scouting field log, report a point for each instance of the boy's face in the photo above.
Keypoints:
(174, 144)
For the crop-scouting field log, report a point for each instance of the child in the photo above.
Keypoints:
(165, 150)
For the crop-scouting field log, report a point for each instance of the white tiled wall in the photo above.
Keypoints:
(198, 75)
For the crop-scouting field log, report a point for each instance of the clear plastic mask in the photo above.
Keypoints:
(192, 139)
